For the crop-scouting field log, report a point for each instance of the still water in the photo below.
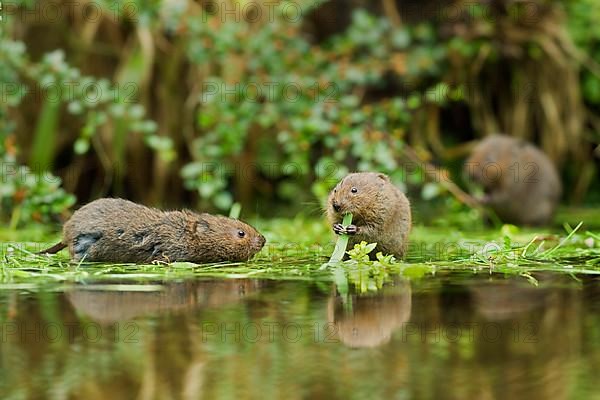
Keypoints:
(449, 336)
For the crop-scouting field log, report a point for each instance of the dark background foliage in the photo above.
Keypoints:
(209, 103)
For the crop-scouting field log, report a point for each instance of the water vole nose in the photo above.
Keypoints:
(336, 206)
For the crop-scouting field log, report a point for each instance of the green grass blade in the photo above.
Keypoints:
(562, 242)
(44, 140)
(236, 210)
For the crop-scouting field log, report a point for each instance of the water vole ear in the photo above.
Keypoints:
(383, 176)
(202, 226)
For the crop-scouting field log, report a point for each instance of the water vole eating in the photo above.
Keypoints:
(120, 231)
(380, 212)
(520, 182)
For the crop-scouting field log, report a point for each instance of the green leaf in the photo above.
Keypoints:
(342, 242)
(370, 247)
(235, 211)
(81, 146)
(46, 133)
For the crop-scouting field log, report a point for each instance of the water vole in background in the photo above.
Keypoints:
(520, 182)
(380, 212)
(116, 230)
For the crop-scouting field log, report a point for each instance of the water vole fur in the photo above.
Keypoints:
(116, 230)
(520, 182)
(380, 212)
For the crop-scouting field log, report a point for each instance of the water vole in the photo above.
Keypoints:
(520, 182)
(116, 230)
(380, 212)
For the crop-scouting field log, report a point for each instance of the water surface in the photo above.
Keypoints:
(449, 336)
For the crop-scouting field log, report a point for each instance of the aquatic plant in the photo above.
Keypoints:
(28, 196)
(342, 242)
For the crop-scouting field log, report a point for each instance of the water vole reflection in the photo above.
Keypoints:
(506, 300)
(107, 307)
(173, 338)
(370, 320)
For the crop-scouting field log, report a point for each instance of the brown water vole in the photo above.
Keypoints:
(116, 230)
(380, 212)
(520, 182)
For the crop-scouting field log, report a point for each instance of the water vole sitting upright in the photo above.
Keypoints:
(116, 230)
(520, 182)
(380, 212)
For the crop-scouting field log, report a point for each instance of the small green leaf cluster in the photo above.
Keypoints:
(28, 196)
(364, 274)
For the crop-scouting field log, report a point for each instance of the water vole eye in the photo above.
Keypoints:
(354, 190)
(241, 233)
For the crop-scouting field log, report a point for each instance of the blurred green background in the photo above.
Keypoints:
(202, 104)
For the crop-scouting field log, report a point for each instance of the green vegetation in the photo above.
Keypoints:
(28, 196)
(290, 256)
(190, 105)
(270, 111)
(341, 243)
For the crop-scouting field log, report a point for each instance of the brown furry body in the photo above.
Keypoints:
(116, 230)
(380, 212)
(520, 182)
